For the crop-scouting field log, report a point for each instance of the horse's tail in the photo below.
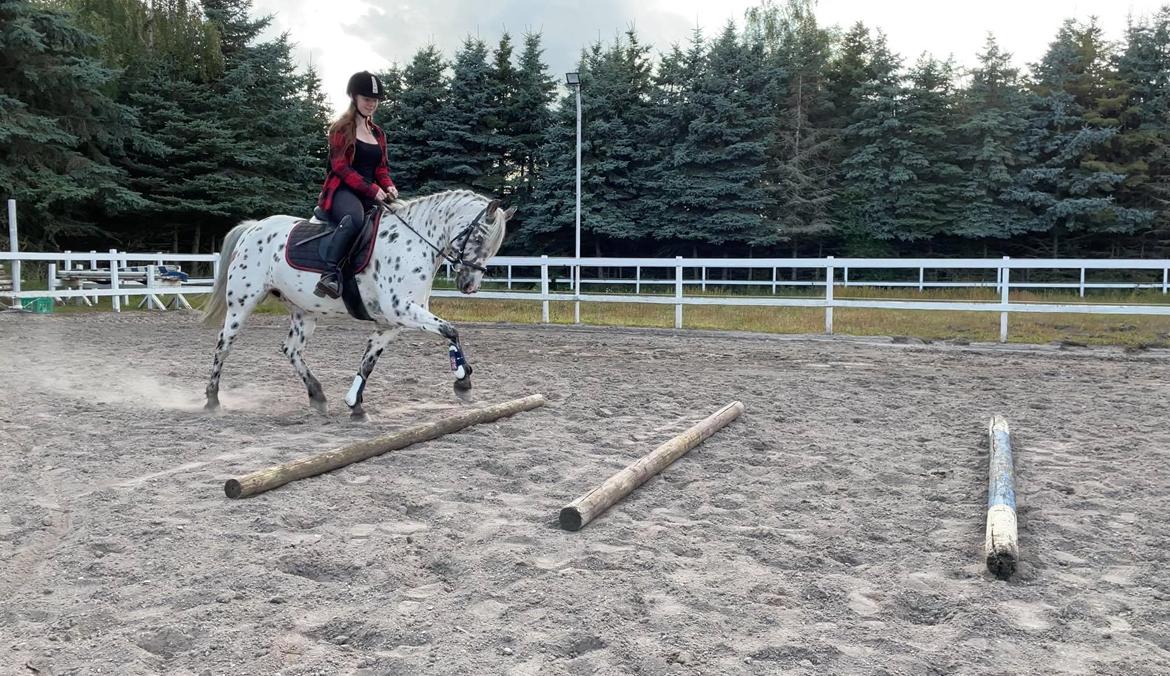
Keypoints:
(216, 307)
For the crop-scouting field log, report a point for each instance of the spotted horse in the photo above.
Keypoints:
(415, 238)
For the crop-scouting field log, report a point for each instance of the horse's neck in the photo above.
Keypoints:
(429, 219)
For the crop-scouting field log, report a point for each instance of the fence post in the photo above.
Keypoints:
(829, 296)
(544, 289)
(846, 276)
(52, 281)
(150, 288)
(14, 247)
(703, 281)
(93, 261)
(115, 299)
(774, 281)
(68, 261)
(1082, 282)
(1004, 286)
(637, 280)
(1165, 279)
(678, 291)
(509, 277)
(921, 278)
(123, 263)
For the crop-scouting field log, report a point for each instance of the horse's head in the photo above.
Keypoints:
(478, 242)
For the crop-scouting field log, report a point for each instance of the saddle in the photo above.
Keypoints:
(309, 240)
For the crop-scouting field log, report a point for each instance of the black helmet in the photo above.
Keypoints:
(364, 83)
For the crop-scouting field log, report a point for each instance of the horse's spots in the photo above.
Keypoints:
(276, 294)
(377, 266)
(235, 325)
(229, 292)
(393, 236)
(383, 234)
(422, 277)
(281, 248)
(417, 270)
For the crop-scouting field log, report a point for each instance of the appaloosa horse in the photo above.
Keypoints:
(415, 237)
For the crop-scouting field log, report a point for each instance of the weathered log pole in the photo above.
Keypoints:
(584, 509)
(1001, 543)
(266, 480)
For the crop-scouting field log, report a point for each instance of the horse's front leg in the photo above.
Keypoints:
(416, 316)
(374, 347)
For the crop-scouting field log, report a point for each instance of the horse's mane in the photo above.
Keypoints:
(495, 231)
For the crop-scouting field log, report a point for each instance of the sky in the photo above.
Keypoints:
(341, 37)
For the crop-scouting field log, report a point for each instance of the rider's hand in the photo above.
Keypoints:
(393, 192)
(380, 196)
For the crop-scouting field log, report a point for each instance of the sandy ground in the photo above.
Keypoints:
(835, 528)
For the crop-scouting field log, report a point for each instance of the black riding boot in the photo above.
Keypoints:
(343, 237)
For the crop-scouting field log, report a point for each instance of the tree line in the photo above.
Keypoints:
(160, 125)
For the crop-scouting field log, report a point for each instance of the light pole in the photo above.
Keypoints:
(574, 80)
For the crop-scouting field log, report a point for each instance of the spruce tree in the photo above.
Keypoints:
(59, 128)
(930, 195)
(1142, 146)
(460, 139)
(1065, 187)
(992, 113)
(724, 153)
(873, 175)
(424, 95)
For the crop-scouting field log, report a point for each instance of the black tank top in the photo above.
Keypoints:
(366, 158)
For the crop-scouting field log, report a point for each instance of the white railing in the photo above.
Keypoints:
(548, 287)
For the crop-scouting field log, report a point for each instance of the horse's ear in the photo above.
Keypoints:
(510, 213)
(491, 208)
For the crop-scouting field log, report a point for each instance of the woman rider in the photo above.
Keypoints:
(357, 177)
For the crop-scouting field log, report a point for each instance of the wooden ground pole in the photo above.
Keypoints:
(584, 509)
(266, 480)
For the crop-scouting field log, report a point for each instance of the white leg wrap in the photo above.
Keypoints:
(460, 373)
(351, 397)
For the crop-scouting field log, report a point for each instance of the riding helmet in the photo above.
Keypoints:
(365, 83)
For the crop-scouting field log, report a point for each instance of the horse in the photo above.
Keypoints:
(456, 226)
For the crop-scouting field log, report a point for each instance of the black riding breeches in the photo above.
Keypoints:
(346, 203)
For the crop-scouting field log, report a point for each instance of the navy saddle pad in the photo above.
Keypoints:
(308, 241)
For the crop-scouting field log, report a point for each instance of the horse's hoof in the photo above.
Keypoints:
(211, 405)
(463, 384)
(357, 413)
(318, 405)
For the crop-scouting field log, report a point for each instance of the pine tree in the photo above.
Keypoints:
(800, 173)
(993, 115)
(59, 128)
(424, 94)
(460, 139)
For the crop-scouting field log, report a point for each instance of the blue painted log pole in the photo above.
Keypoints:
(1001, 544)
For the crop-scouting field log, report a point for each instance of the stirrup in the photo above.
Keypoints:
(329, 285)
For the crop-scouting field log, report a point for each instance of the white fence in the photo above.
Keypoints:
(679, 273)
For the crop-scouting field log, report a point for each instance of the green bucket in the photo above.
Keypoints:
(41, 306)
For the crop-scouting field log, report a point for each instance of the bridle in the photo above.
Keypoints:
(460, 261)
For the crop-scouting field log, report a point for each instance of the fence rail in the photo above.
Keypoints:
(684, 275)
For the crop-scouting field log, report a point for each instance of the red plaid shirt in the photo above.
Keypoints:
(341, 170)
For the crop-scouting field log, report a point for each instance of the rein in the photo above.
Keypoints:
(465, 233)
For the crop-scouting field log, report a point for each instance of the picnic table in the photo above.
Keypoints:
(149, 276)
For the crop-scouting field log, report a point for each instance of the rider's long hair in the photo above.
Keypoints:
(346, 124)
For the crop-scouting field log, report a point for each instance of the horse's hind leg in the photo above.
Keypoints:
(374, 346)
(299, 332)
(239, 307)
